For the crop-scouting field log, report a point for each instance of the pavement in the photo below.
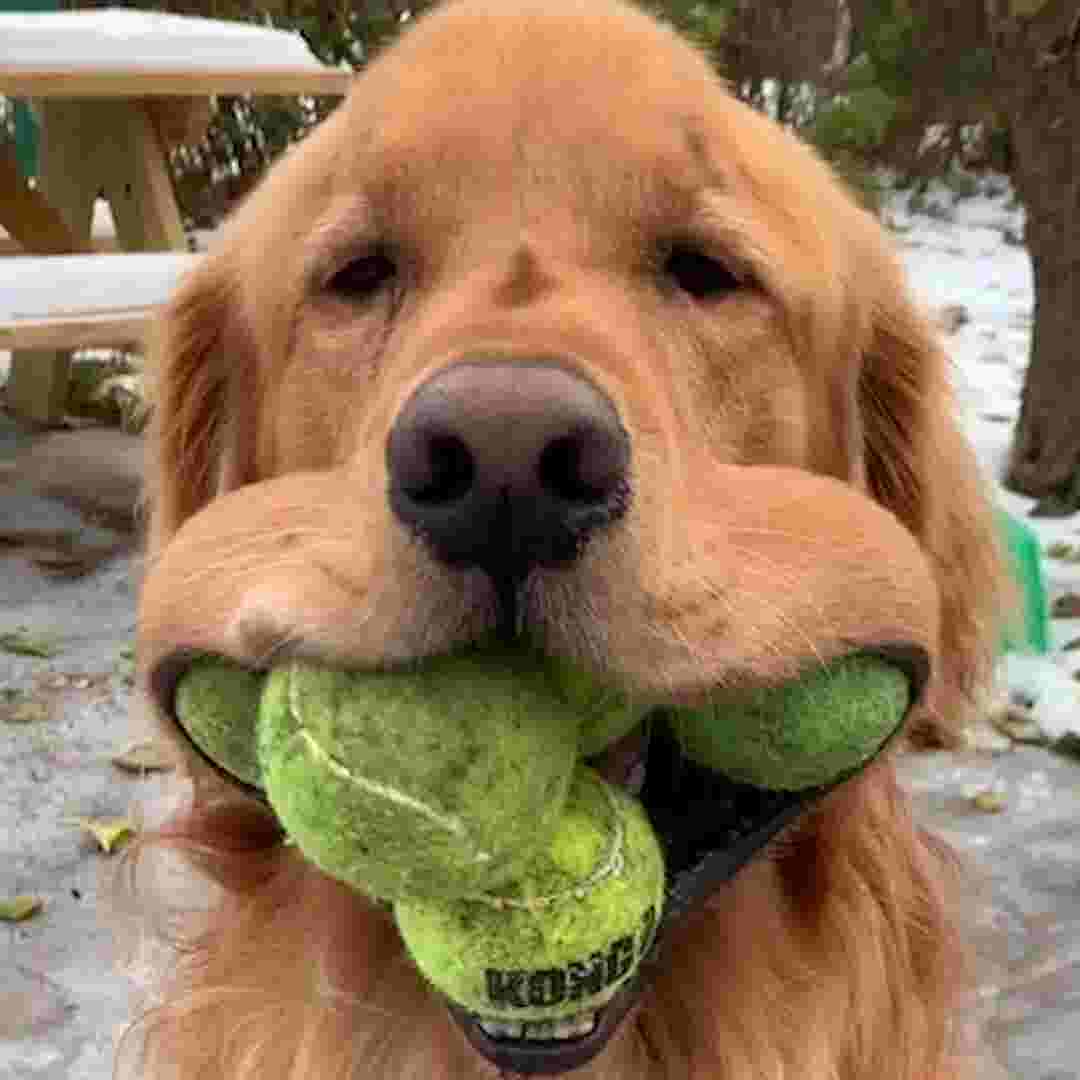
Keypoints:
(69, 570)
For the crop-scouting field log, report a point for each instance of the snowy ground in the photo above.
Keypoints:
(968, 252)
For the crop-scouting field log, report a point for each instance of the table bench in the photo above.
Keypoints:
(112, 91)
(72, 301)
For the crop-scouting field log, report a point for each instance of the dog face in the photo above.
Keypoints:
(542, 333)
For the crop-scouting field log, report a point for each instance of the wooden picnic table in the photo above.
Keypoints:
(113, 91)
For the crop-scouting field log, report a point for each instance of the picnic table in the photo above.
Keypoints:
(113, 91)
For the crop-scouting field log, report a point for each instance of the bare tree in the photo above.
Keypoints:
(1036, 49)
(1024, 61)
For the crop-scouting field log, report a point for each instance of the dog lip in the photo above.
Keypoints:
(542, 1058)
(162, 681)
(164, 677)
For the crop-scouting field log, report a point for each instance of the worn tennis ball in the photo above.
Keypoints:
(802, 734)
(217, 704)
(440, 780)
(566, 933)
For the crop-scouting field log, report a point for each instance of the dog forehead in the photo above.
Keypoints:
(500, 42)
(478, 83)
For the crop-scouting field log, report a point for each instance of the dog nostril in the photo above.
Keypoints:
(449, 473)
(583, 468)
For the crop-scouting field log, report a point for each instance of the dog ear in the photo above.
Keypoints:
(920, 465)
(197, 361)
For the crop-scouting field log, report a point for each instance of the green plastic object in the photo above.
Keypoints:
(1031, 632)
(23, 122)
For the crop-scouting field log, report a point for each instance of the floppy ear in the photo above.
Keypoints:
(920, 465)
(197, 363)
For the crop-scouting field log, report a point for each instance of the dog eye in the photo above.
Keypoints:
(699, 275)
(362, 276)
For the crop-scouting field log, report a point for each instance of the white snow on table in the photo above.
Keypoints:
(36, 287)
(116, 37)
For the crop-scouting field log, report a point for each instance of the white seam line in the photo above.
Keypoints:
(612, 864)
(391, 794)
(450, 824)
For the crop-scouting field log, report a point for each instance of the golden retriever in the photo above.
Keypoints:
(542, 332)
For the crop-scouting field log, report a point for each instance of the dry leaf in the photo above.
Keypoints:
(18, 908)
(75, 562)
(1066, 606)
(22, 643)
(989, 801)
(1019, 725)
(1062, 549)
(110, 833)
(25, 712)
(145, 757)
(1069, 745)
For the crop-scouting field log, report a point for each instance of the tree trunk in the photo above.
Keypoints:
(1039, 75)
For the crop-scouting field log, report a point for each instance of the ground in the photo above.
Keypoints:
(1013, 810)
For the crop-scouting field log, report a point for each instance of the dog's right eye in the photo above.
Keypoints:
(699, 275)
(359, 278)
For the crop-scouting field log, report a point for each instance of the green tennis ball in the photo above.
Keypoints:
(605, 713)
(566, 934)
(803, 734)
(439, 780)
(217, 704)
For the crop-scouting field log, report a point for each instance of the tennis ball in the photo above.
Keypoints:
(570, 929)
(605, 713)
(217, 703)
(803, 734)
(440, 780)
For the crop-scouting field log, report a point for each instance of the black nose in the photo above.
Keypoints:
(507, 466)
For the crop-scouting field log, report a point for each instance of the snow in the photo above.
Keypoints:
(34, 287)
(965, 251)
(115, 37)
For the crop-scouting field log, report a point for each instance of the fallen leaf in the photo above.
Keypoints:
(952, 317)
(22, 643)
(1053, 506)
(1062, 549)
(18, 908)
(1019, 725)
(25, 712)
(110, 833)
(989, 801)
(73, 563)
(1069, 745)
(145, 757)
(1067, 606)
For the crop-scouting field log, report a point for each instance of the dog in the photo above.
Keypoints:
(543, 332)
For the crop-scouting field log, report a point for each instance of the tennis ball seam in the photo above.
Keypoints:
(611, 866)
(385, 791)
(454, 826)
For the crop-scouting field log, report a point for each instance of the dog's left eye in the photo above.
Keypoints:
(699, 275)
(361, 277)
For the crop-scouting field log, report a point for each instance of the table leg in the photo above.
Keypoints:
(29, 218)
(92, 147)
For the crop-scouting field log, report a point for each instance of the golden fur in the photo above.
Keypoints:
(799, 486)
